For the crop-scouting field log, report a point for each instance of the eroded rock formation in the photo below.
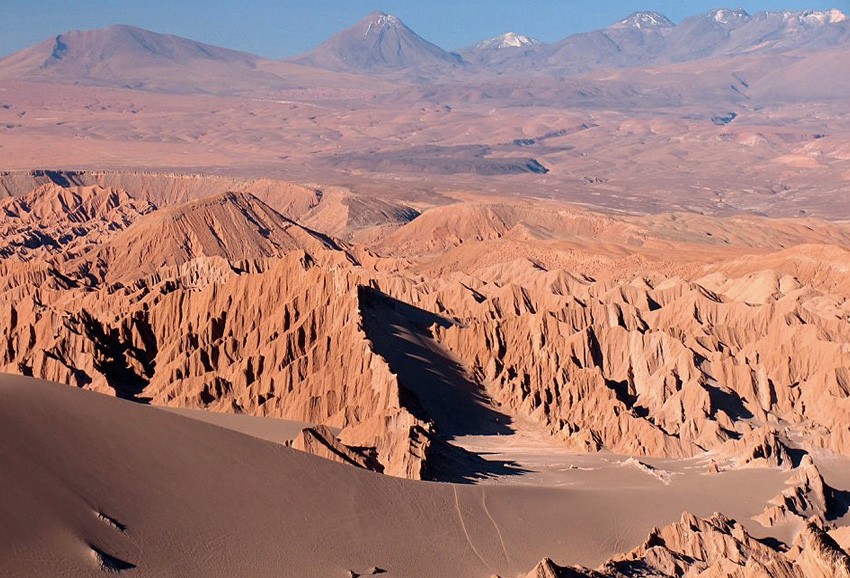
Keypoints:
(715, 547)
(807, 497)
(227, 304)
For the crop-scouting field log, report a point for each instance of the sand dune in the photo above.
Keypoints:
(171, 495)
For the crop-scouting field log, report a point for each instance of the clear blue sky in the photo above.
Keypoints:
(278, 28)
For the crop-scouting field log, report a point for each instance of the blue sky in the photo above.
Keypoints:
(286, 27)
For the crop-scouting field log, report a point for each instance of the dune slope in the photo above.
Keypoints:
(166, 495)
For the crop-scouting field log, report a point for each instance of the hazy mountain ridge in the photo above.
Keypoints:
(122, 56)
(649, 38)
(381, 43)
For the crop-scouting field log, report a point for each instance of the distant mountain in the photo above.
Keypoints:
(704, 35)
(812, 17)
(382, 45)
(725, 18)
(377, 44)
(729, 32)
(650, 38)
(636, 40)
(786, 30)
(130, 57)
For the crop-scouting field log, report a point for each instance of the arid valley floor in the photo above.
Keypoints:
(543, 310)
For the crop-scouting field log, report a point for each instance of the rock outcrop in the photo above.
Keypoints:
(320, 441)
(807, 497)
(761, 447)
(221, 303)
(818, 555)
(715, 547)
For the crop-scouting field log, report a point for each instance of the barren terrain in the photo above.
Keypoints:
(419, 313)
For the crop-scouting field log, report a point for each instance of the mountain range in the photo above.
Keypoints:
(381, 44)
(713, 106)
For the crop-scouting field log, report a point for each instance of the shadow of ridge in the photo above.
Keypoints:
(796, 454)
(838, 503)
(114, 355)
(456, 465)
(436, 388)
(773, 543)
(728, 402)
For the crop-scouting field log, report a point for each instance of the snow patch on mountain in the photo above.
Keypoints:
(822, 18)
(508, 40)
(729, 17)
(380, 21)
(645, 20)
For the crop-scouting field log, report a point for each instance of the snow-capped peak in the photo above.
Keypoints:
(378, 21)
(508, 40)
(727, 17)
(645, 20)
(815, 18)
